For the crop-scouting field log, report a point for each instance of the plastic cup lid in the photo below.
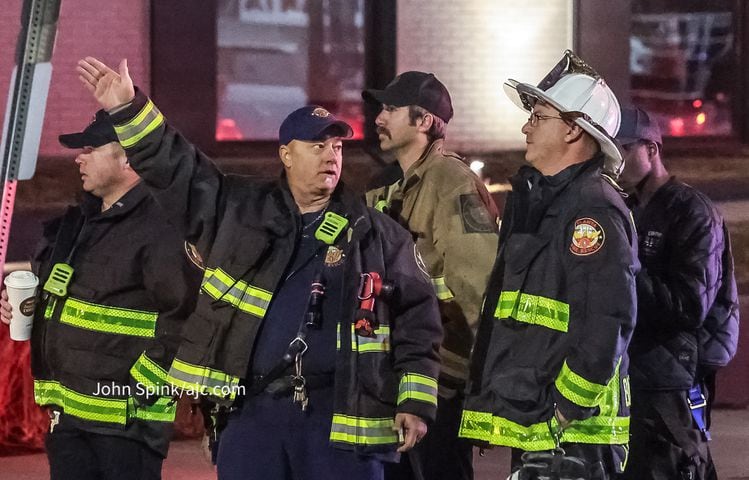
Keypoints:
(21, 279)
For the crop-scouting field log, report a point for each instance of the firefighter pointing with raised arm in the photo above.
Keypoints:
(274, 334)
(550, 365)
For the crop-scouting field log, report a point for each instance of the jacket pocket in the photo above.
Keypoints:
(374, 365)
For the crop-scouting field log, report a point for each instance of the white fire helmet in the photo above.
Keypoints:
(578, 92)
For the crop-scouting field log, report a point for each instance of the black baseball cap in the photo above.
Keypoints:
(415, 88)
(312, 122)
(636, 125)
(97, 133)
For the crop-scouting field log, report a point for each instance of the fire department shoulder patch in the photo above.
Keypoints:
(587, 237)
(475, 215)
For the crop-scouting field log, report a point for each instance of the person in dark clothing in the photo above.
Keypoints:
(687, 322)
(316, 328)
(549, 368)
(103, 342)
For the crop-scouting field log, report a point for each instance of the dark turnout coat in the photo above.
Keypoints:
(246, 232)
(559, 313)
(101, 354)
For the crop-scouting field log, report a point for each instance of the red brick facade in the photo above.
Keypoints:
(107, 30)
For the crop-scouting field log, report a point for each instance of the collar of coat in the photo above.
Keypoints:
(393, 173)
(542, 190)
(416, 171)
(281, 215)
(91, 204)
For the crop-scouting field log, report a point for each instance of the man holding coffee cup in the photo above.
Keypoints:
(115, 287)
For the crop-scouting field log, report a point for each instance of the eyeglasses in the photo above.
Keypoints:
(563, 116)
(537, 117)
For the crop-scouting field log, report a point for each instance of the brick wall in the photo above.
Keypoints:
(473, 46)
(107, 30)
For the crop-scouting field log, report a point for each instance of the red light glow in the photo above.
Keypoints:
(676, 126)
(697, 103)
(227, 130)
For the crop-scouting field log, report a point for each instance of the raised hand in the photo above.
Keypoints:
(111, 89)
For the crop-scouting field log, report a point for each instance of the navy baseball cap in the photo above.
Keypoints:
(415, 88)
(638, 125)
(312, 122)
(97, 133)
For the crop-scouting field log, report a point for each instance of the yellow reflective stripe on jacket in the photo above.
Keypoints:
(148, 373)
(147, 120)
(380, 342)
(247, 298)
(362, 430)
(98, 409)
(417, 387)
(533, 309)
(440, 289)
(203, 380)
(500, 431)
(87, 407)
(163, 410)
(381, 205)
(108, 319)
(579, 390)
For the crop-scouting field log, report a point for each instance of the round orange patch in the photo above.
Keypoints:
(587, 237)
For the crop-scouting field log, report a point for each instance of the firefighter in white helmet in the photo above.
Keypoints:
(549, 368)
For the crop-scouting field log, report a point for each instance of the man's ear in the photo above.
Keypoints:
(285, 155)
(426, 122)
(574, 132)
(122, 160)
(652, 149)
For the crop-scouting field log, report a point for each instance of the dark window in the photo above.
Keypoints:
(274, 56)
(253, 62)
(683, 65)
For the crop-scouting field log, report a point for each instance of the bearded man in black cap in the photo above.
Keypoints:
(453, 219)
(117, 288)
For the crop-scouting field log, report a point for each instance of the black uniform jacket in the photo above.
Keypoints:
(246, 233)
(101, 354)
(559, 313)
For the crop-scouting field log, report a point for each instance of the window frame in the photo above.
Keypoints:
(612, 52)
(184, 62)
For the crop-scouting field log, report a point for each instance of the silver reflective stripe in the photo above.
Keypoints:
(362, 430)
(202, 379)
(248, 298)
(380, 342)
(147, 120)
(414, 386)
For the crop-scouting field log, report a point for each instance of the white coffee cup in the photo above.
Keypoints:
(21, 288)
